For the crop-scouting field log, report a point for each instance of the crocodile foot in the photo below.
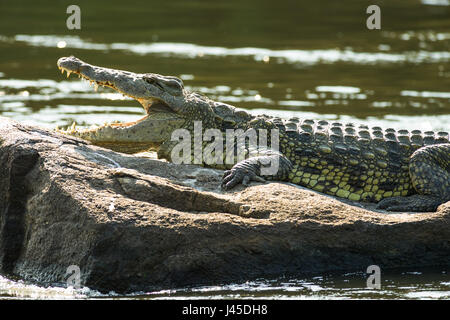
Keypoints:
(415, 203)
(240, 173)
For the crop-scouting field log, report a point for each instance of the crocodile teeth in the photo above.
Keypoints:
(68, 73)
(95, 86)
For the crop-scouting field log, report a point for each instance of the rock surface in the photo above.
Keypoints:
(133, 223)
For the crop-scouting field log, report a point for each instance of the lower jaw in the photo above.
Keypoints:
(127, 124)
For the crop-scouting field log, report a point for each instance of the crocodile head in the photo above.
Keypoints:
(167, 104)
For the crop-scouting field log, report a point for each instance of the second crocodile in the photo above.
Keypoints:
(401, 170)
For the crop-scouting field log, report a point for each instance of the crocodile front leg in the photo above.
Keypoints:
(252, 169)
(429, 170)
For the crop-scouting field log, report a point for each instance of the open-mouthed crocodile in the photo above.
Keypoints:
(401, 170)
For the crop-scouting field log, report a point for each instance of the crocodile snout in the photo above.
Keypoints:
(70, 63)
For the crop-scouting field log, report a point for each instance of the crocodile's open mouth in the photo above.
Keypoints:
(152, 91)
(97, 76)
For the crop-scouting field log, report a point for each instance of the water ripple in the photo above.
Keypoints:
(189, 50)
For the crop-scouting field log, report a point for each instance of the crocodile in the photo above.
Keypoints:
(400, 170)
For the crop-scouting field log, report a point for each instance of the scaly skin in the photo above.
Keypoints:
(401, 170)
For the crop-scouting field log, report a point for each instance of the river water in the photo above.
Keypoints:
(400, 284)
(311, 59)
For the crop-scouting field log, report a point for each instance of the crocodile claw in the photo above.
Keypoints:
(233, 177)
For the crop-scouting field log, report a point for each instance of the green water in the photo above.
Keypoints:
(401, 284)
(312, 59)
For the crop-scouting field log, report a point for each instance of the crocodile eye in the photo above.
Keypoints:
(176, 81)
(171, 85)
(153, 81)
(149, 80)
(174, 84)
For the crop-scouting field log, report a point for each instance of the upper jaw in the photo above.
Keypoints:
(127, 83)
(95, 75)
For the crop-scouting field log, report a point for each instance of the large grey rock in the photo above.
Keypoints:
(133, 223)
